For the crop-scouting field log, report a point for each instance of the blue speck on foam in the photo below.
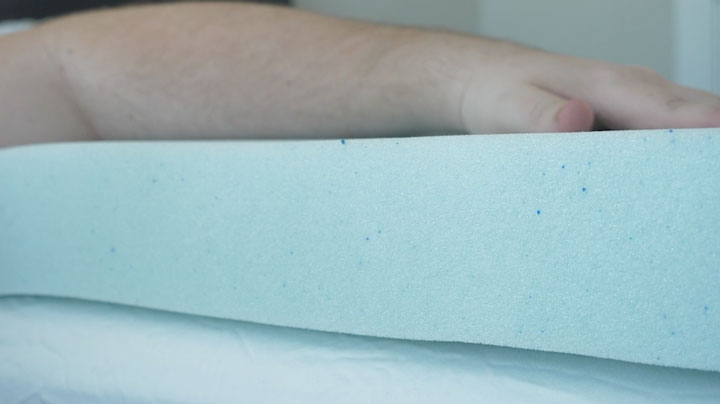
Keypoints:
(563, 166)
(154, 180)
(670, 131)
(342, 141)
(291, 253)
(112, 249)
(584, 189)
(672, 332)
(705, 309)
(367, 238)
(537, 211)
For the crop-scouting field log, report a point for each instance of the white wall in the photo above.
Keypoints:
(697, 43)
(623, 31)
(652, 33)
(456, 14)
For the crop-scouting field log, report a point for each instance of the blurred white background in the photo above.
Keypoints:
(678, 38)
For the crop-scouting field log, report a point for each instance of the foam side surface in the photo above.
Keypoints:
(600, 244)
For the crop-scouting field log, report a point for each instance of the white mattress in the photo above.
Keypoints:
(70, 351)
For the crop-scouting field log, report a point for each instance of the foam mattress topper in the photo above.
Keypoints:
(601, 244)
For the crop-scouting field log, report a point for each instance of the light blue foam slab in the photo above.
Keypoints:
(600, 244)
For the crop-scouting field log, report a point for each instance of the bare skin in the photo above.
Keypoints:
(189, 71)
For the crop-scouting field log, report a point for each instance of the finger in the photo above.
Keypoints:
(699, 95)
(650, 101)
(637, 110)
(528, 108)
(637, 98)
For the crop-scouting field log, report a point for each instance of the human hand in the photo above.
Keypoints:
(512, 88)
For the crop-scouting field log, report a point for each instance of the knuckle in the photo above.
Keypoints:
(538, 111)
(611, 75)
(624, 75)
(646, 73)
(675, 102)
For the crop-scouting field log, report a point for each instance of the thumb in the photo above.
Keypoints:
(531, 109)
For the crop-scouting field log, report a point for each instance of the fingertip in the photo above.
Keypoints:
(575, 116)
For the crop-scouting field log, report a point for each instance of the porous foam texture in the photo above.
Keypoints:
(600, 244)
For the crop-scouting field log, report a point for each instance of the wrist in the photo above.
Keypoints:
(428, 72)
(450, 75)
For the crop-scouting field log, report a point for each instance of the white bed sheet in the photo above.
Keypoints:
(66, 351)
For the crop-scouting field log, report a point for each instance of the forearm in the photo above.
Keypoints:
(34, 102)
(233, 70)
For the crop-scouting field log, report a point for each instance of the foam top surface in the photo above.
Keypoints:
(601, 244)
